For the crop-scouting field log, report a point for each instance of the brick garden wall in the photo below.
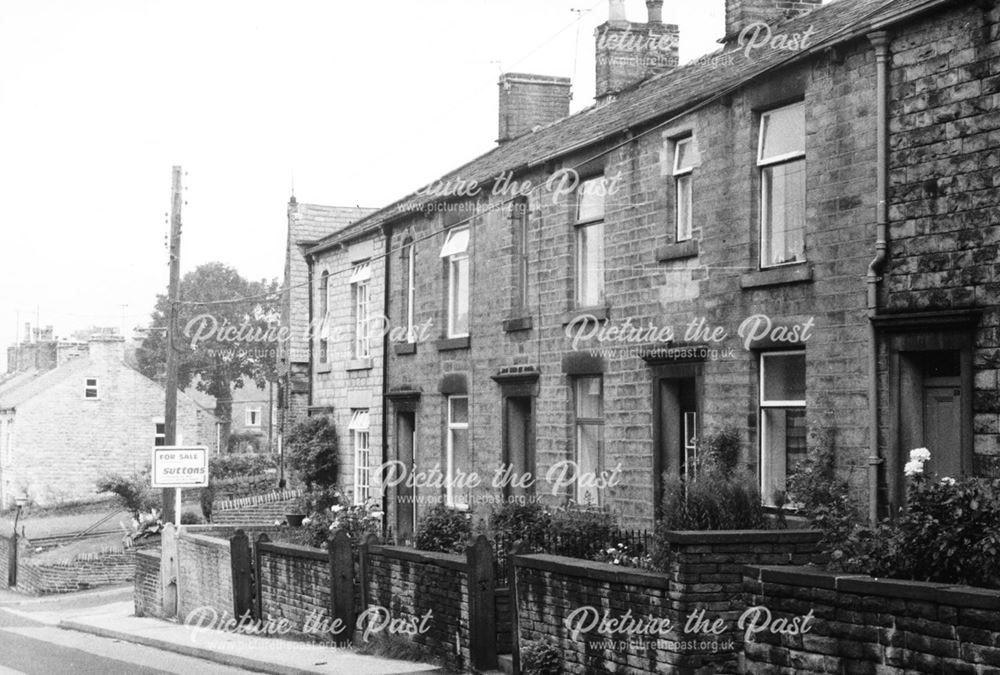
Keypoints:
(865, 625)
(295, 585)
(408, 583)
(204, 574)
(148, 594)
(705, 574)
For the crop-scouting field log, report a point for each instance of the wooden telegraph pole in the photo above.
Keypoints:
(171, 505)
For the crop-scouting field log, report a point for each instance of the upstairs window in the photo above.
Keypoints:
(409, 292)
(252, 416)
(324, 308)
(360, 280)
(90, 389)
(781, 161)
(590, 242)
(456, 257)
(519, 231)
(683, 169)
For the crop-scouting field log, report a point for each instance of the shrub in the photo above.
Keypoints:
(444, 530)
(207, 499)
(527, 523)
(312, 452)
(949, 532)
(240, 465)
(245, 442)
(189, 518)
(816, 491)
(540, 657)
(722, 451)
(712, 501)
(581, 532)
(132, 492)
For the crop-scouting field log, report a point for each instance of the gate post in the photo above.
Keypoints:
(242, 569)
(342, 581)
(482, 605)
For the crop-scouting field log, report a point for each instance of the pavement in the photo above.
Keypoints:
(108, 615)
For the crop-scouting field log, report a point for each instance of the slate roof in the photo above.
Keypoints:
(664, 94)
(315, 221)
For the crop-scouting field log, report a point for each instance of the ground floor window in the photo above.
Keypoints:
(362, 455)
(457, 450)
(588, 394)
(782, 420)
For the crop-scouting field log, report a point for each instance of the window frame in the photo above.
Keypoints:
(777, 404)
(251, 409)
(683, 175)
(361, 297)
(594, 227)
(360, 429)
(159, 435)
(324, 304)
(450, 492)
(453, 261)
(763, 164)
(96, 388)
(410, 294)
(520, 209)
(578, 423)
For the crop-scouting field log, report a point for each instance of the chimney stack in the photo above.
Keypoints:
(742, 13)
(627, 52)
(530, 101)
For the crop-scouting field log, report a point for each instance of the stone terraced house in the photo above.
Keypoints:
(794, 238)
(64, 426)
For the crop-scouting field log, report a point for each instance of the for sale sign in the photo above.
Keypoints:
(180, 467)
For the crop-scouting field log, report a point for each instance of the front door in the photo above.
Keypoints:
(518, 453)
(943, 424)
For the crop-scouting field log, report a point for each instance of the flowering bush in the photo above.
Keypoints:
(142, 525)
(949, 532)
(328, 513)
(581, 532)
(625, 556)
(527, 523)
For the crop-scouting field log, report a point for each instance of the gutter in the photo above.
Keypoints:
(880, 41)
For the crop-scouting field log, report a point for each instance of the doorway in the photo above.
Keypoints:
(406, 454)
(518, 446)
(677, 431)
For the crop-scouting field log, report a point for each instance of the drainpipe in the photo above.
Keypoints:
(386, 297)
(880, 40)
(311, 333)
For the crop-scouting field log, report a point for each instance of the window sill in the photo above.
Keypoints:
(404, 348)
(450, 344)
(677, 251)
(777, 276)
(359, 364)
(589, 313)
(514, 324)
(324, 368)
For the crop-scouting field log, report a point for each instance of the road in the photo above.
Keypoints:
(31, 644)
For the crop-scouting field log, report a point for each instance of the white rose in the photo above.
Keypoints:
(920, 454)
(947, 480)
(913, 468)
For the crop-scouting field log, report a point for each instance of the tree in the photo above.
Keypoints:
(312, 452)
(221, 345)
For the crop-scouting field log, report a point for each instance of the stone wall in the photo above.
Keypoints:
(256, 510)
(866, 625)
(148, 594)
(81, 573)
(704, 580)
(410, 583)
(5, 544)
(205, 576)
(295, 585)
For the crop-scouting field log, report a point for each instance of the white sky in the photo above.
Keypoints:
(362, 102)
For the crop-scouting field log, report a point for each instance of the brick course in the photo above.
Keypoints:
(866, 625)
